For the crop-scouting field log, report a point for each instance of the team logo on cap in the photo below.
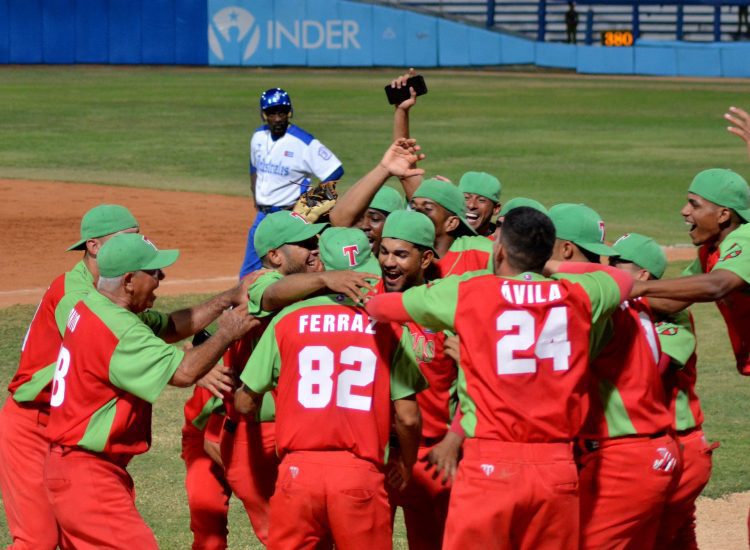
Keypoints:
(601, 231)
(625, 236)
(145, 240)
(351, 251)
(298, 215)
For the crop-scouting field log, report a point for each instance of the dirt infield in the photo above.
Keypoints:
(39, 220)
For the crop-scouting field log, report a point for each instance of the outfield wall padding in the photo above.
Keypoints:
(316, 33)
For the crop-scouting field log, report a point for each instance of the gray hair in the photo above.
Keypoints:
(109, 284)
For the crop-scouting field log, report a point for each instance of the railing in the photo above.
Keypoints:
(544, 20)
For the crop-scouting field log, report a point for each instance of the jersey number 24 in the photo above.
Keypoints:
(552, 342)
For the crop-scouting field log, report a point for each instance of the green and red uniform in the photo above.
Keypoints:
(469, 253)
(335, 372)
(23, 419)
(523, 388)
(207, 490)
(630, 462)
(735, 307)
(248, 448)
(425, 499)
(111, 368)
(678, 346)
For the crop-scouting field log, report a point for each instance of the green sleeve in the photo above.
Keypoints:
(262, 369)
(142, 363)
(694, 268)
(406, 378)
(64, 307)
(157, 322)
(676, 337)
(256, 290)
(732, 255)
(434, 305)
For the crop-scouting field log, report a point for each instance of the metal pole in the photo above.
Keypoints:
(680, 22)
(717, 23)
(490, 13)
(636, 22)
(590, 27)
(542, 23)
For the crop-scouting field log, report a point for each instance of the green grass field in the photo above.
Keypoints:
(627, 147)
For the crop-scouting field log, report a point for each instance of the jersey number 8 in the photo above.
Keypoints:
(58, 382)
(315, 386)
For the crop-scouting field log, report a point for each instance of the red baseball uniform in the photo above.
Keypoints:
(336, 372)
(677, 338)
(630, 463)
(735, 308)
(523, 386)
(23, 440)
(466, 254)
(248, 446)
(207, 491)
(110, 369)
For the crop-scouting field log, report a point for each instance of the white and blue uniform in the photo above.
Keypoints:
(283, 170)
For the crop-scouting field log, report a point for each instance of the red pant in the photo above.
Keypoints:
(514, 495)
(329, 495)
(208, 495)
(23, 449)
(677, 529)
(425, 504)
(624, 485)
(250, 467)
(94, 502)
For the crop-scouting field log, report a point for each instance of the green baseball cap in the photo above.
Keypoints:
(582, 226)
(449, 197)
(132, 252)
(104, 220)
(521, 201)
(410, 226)
(642, 250)
(481, 183)
(725, 188)
(282, 228)
(388, 200)
(347, 249)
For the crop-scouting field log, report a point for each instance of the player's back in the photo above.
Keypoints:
(334, 382)
(524, 353)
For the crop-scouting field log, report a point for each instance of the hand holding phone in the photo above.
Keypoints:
(398, 95)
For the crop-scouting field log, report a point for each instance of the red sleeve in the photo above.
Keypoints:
(213, 427)
(388, 308)
(456, 427)
(623, 279)
(664, 362)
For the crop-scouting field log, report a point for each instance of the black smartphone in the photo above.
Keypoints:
(397, 95)
(201, 337)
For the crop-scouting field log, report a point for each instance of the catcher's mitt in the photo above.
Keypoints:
(316, 202)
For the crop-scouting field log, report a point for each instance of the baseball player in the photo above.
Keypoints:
(523, 384)
(515, 203)
(23, 440)
(644, 259)
(286, 245)
(482, 194)
(283, 158)
(112, 365)
(718, 211)
(457, 245)
(629, 460)
(336, 373)
(207, 490)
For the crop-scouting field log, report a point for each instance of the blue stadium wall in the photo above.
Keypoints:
(314, 33)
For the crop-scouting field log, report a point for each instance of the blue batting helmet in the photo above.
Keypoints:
(275, 97)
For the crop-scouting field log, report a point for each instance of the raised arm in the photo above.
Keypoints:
(707, 287)
(740, 121)
(399, 160)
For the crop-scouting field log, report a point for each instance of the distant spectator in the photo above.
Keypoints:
(742, 18)
(571, 22)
